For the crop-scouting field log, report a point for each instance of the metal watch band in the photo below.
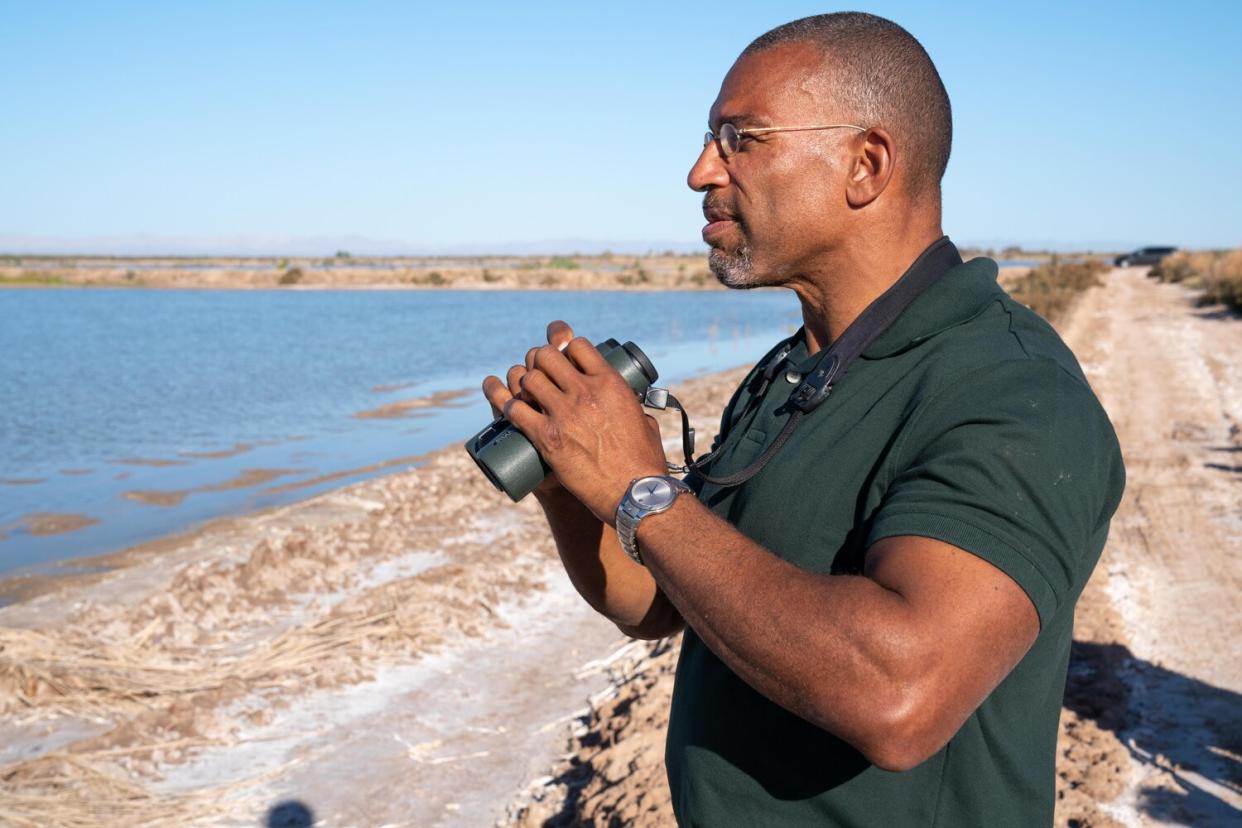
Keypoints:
(630, 514)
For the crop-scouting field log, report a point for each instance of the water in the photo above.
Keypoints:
(110, 398)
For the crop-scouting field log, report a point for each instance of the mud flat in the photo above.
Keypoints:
(403, 651)
(52, 523)
(1151, 728)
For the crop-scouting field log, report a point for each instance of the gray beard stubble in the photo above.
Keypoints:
(733, 270)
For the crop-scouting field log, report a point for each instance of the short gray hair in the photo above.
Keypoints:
(882, 76)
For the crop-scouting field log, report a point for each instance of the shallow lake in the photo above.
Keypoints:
(142, 412)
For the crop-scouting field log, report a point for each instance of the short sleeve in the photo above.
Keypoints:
(1016, 463)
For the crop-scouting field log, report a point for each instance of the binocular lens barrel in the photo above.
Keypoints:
(511, 462)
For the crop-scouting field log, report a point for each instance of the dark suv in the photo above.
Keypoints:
(1143, 256)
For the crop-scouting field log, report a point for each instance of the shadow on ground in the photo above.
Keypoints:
(1170, 723)
(289, 814)
(1218, 312)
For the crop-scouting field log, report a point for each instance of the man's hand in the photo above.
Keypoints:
(498, 394)
(583, 418)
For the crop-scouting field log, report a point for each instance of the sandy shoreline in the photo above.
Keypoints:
(139, 688)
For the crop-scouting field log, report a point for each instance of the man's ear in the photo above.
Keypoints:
(871, 168)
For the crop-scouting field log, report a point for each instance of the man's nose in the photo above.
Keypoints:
(709, 170)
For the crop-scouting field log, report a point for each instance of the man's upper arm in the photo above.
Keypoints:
(966, 625)
(990, 524)
(1019, 466)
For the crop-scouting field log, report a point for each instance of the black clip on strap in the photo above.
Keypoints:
(660, 399)
(816, 385)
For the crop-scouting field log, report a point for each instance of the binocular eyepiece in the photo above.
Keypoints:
(511, 462)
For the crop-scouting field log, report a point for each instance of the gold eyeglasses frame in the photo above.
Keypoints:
(730, 138)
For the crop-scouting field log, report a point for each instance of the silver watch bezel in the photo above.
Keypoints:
(630, 512)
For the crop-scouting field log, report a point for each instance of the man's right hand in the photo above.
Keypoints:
(498, 393)
(617, 587)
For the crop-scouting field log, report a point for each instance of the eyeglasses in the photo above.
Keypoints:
(730, 137)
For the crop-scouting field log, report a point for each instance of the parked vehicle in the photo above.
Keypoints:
(1143, 256)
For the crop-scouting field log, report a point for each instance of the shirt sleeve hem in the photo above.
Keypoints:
(979, 542)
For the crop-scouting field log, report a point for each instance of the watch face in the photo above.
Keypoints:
(651, 492)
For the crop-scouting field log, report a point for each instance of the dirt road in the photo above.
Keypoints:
(1162, 618)
(1152, 724)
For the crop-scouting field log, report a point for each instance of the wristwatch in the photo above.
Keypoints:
(646, 496)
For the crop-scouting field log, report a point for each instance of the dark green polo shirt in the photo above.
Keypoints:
(968, 421)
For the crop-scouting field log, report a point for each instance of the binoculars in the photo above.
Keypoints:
(512, 463)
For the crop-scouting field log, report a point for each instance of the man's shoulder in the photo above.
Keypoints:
(1005, 339)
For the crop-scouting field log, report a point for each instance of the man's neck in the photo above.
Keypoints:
(840, 289)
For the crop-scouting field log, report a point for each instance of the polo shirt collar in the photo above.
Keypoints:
(958, 296)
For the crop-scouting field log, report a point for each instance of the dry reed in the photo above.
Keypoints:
(65, 673)
(66, 789)
(1051, 288)
(75, 674)
(1217, 273)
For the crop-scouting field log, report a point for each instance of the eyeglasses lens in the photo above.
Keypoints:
(728, 137)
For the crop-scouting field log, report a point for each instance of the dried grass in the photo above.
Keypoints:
(86, 790)
(1218, 273)
(71, 673)
(1051, 288)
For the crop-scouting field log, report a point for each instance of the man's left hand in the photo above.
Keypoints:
(589, 425)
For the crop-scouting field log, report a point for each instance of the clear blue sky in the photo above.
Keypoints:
(440, 124)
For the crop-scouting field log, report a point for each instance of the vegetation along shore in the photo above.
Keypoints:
(606, 271)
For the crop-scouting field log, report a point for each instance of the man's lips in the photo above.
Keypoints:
(718, 221)
(715, 228)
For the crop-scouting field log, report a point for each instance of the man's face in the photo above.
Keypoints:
(779, 201)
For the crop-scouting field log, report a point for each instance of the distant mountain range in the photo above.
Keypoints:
(323, 246)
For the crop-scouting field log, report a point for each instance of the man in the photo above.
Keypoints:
(877, 623)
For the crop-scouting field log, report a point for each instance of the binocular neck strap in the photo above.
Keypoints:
(926, 270)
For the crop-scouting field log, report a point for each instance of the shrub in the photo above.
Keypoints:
(561, 263)
(291, 276)
(1051, 288)
(1173, 268)
(1218, 273)
(435, 278)
(1222, 279)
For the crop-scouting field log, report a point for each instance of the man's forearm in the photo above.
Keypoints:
(603, 574)
(814, 644)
